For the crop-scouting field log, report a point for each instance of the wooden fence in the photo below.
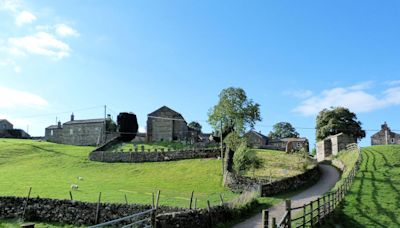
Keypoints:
(313, 213)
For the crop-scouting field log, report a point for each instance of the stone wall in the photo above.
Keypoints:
(239, 183)
(137, 157)
(69, 212)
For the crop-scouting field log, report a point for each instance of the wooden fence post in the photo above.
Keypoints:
(324, 202)
(155, 207)
(265, 218)
(274, 223)
(329, 203)
(288, 209)
(311, 214)
(304, 214)
(319, 211)
(98, 210)
(26, 202)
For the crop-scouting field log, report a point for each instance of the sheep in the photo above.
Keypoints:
(74, 186)
(80, 178)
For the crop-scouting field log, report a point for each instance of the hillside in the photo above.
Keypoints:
(374, 199)
(50, 169)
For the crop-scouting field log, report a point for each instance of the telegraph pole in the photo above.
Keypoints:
(105, 124)
(222, 151)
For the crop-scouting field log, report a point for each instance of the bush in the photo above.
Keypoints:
(245, 159)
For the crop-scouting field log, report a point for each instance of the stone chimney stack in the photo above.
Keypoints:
(59, 124)
(72, 117)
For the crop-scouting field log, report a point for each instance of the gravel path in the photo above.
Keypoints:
(329, 177)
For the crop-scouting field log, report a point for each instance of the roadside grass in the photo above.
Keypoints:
(278, 164)
(374, 198)
(50, 169)
(349, 160)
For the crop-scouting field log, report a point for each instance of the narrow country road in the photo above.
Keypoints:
(329, 177)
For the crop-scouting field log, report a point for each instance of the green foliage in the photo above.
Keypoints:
(51, 168)
(233, 141)
(338, 120)
(245, 159)
(235, 111)
(373, 199)
(283, 130)
(111, 126)
(195, 125)
(314, 152)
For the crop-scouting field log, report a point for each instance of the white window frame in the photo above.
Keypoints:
(71, 131)
(51, 132)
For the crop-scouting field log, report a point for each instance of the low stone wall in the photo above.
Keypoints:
(203, 218)
(291, 183)
(137, 157)
(67, 211)
(239, 183)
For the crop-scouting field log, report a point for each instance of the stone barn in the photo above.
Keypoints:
(288, 144)
(256, 139)
(88, 132)
(7, 131)
(165, 124)
(385, 136)
(331, 145)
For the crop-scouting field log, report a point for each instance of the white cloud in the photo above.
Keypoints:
(24, 17)
(10, 5)
(352, 97)
(302, 94)
(10, 63)
(41, 43)
(393, 83)
(65, 30)
(362, 86)
(12, 98)
(142, 130)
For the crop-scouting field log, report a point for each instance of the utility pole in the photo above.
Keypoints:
(105, 124)
(222, 151)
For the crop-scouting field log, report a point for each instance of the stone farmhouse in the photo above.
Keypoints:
(258, 140)
(331, 145)
(88, 132)
(165, 124)
(385, 136)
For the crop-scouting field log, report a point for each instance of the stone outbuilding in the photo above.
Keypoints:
(256, 139)
(289, 144)
(331, 145)
(385, 136)
(165, 124)
(88, 132)
(5, 125)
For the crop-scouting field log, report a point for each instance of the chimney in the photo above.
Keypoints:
(59, 124)
(72, 117)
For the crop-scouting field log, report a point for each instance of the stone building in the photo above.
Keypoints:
(77, 132)
(385, 136)
(165, 124)
(331, 145)
(5, 124)
(288, 144)
(256, 139)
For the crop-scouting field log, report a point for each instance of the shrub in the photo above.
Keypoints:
(245, 159)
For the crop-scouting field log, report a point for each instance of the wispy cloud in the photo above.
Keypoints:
(24, 17)
(20, 99)
(394, 83)
(10, 5)
(10, 63)
(65, 30)
(354, 97)
(40, 43)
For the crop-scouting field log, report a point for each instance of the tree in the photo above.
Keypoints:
(283, 130)
(245, 159)
(235, 111)
(338, 120)
(195, 125)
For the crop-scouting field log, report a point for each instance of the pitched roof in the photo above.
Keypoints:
(258, 134)
(294, 139)
(52, 127)
(101, 120)
(1, 120)
(166, 109)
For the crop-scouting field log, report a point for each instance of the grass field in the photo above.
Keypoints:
(50, 169)
(279, 164)
(374, 198)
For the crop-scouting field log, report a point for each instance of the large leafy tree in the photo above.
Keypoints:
(283, 130)
(338, 120)
(235, 111)
(195, 125)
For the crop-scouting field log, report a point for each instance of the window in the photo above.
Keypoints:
(298, 144)
(51, 132)
(71, 131)
(392, 140)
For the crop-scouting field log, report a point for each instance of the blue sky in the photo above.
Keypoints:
(292, 57)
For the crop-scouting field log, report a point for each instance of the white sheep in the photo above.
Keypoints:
(74, 186)
(80, 178)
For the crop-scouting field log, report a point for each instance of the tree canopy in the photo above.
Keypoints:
(195, 125)
(338, 120)
(235, 110)
(283, 130)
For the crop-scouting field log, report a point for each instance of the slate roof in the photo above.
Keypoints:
(52, 127)
(101, 120)
(165, 108)
(1, 120)
(258, 134)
